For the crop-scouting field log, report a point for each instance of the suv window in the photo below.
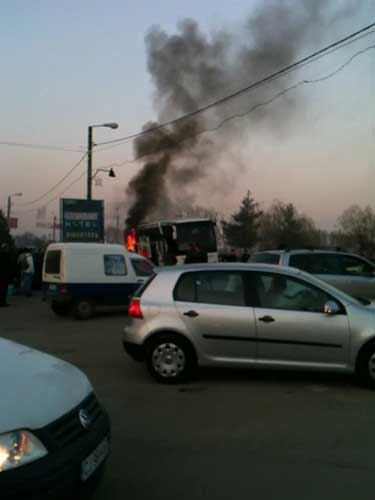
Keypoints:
(211, 287)
(265, 258)
(114, 265)
(317, 263)
(353, 266)
(276, 291)
(53, 262)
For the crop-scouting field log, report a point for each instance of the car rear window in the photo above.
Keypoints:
(53, 260)
(142, 267)
(265, 258)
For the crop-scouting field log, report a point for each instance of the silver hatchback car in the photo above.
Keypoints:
(247, 315)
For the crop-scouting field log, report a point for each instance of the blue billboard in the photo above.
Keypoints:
(82, 220)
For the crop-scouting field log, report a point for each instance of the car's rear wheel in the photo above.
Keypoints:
(60, 309)
(366, 365)
(170, 358)
(84, 309)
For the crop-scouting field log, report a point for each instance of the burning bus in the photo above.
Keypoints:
(166, 241)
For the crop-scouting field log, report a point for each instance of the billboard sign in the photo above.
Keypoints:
(82, 220)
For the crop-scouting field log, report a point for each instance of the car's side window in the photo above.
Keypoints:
(185, 289)
(211, 287)
(277, 291)
(324, 263)
(114, 265)
(353, 266)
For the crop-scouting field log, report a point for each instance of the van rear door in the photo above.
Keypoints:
(52, 269)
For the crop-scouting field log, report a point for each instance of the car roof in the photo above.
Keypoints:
(306, 251)
(232, 266)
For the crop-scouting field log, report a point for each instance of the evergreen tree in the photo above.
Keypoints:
(242, 229)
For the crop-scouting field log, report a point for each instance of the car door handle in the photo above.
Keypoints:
(191, 314)
(267, 319)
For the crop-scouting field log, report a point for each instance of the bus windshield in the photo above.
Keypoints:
(202, 233)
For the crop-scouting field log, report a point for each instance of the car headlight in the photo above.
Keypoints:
(19, 448)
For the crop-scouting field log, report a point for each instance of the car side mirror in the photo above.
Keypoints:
(331, 307)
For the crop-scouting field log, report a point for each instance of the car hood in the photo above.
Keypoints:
(36, 388)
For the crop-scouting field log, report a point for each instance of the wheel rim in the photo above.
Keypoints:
(168, 360)
(371, 366)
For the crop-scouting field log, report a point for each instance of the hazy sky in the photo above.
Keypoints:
(66, 65)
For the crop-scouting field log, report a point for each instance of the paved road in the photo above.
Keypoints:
(228, 435)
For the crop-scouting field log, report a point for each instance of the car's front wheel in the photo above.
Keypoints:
(366, 364)
(170, 358)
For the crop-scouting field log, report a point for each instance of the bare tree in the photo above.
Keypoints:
(282, 226)
(356, 230)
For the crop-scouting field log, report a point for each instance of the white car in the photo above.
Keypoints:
(54, 434)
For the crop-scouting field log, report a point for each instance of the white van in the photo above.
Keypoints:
(54, 433)
(80, 276)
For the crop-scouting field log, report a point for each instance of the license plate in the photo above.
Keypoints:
(92, 462)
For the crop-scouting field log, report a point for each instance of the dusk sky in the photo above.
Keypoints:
(70, 64)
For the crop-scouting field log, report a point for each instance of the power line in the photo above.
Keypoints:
(246, 89)
(39, 146)
(258, 105)
(213, 129)
(55, 185)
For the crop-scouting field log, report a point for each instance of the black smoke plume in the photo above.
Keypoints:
(190, 69)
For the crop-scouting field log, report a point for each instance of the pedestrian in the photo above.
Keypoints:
(5, 273)
(26, 264)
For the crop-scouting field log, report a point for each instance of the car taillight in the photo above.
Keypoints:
(134, 309)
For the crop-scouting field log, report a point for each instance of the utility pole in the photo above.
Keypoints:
(117, 225)
(89, 164)
(54, 228)
(8, 210)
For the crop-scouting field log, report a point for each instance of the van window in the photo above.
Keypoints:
(53, 262)
(142, 267)
(114, 265)
(265, 258)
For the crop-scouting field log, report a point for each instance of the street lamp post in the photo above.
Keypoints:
(10, 206)
(89, 155)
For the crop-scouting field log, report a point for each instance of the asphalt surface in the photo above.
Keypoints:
(228, 435)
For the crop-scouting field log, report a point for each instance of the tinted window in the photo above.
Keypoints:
(185, 288)
(276, 291)
(53, 262)
(265, 258)
(353, 266)
(142, 267)
(114, 265)
(211, 287)
(317, 263)
(224, 288)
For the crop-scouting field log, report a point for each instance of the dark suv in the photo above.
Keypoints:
(348, 272)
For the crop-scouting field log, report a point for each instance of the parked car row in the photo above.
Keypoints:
(182, 317)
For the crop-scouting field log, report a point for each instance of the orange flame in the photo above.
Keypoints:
(131, 240)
